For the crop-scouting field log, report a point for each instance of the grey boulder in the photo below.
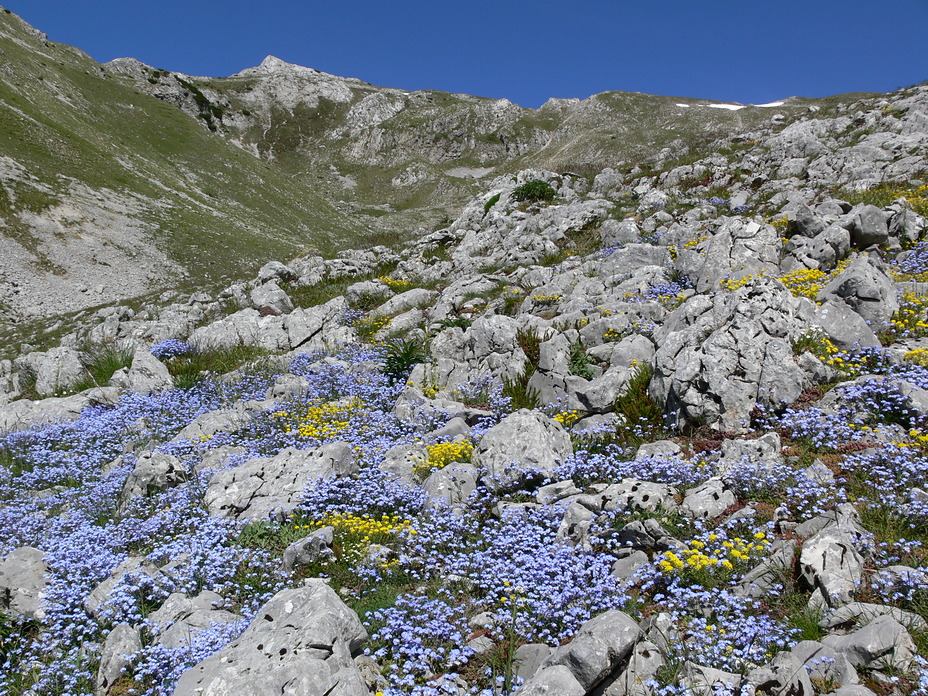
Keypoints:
(523, 441)
(718, 356)
(866, 288)
(146, 374)
(23, 582)
(600, 646)
(300, 642)
(120, 645)
(267, 486)
(883, 643)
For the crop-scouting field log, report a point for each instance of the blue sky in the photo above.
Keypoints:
(748, 51)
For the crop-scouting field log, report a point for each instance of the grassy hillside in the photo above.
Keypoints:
(212, 207)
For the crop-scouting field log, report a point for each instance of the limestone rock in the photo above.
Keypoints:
(153, 472)
(600, 645)
(274, 485)
(866, 288)
(25, 413)
(23, 582)
(309, 549)
(146, 374)
(55, 370)
(883, 643)
(300, 642)
(269, 298)
(707, 500)
(523, 441)
(180, 618)
(122, 642)
(719, 356)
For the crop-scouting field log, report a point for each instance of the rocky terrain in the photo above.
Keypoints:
(121, 181)
(657, 429)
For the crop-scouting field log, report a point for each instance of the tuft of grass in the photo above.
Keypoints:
(490, 203)
(312, 295)
(519, 393)
(882, 195)
(517, 389)
(103, 360)
(460, 322)
(192, 368)
(644, 418)
(438, 253)
(530, 343)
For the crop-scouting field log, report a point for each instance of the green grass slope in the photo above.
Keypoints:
(210, 206)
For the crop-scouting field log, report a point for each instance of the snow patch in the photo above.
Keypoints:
(776, 103)
(729, 107)
(684, 106)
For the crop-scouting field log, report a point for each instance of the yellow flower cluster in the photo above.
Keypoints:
(808, 282)
(910, 319)
(919, 439)
(320, 420)
(567, 418)
(368, 528)
(805, 282)
(780, 224)
(695, 242)
(613, 335)
(715, 556)
(356, 532)
(919, 356)
(369, 325)
(735, 283)
(546, 299)
(395, 283)
(441, 454)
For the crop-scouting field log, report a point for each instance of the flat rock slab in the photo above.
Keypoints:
(267, 486)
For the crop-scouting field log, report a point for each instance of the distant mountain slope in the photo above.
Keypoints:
(107, 190)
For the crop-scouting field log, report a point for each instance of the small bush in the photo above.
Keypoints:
(402, 355)
(530, 343)
(518, 392)
(490, 203)
(644, 419)
(579, 361)
(459, 322)
(534, 191)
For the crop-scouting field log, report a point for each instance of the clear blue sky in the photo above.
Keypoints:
(747, 51)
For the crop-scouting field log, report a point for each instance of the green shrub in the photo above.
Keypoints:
(490, 203)
(644, 419)
(402, 355)
(459, 322)
(534, 191)
(579, 361)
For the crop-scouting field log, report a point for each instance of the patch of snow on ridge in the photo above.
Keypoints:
(764, 106)
(684, 106)
(730, 107)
